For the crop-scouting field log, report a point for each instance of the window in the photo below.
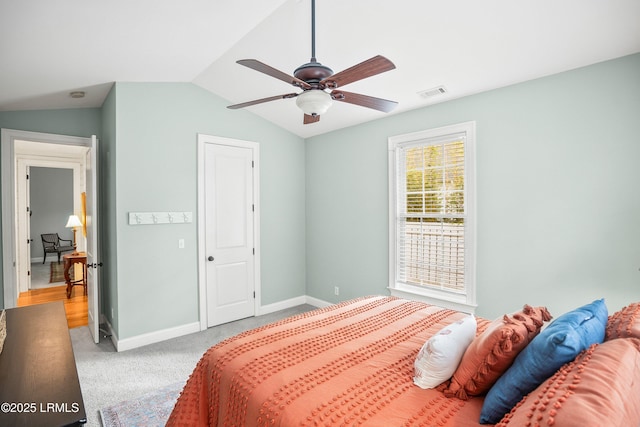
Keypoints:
(432, 216)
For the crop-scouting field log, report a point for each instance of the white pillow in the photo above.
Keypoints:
(440, 356)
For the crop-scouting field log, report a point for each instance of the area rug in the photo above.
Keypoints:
(149, 410)
(57, 272)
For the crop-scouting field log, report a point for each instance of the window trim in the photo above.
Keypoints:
(462, 302)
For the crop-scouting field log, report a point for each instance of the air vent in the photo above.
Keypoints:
(430, 93)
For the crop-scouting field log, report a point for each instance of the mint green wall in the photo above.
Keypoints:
(148, 163)
(155, 156)
(76, 122)
(557, 189)
(107, 208)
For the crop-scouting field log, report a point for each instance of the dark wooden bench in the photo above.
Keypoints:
(39, 383)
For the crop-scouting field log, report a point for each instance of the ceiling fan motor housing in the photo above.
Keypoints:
(312, 72)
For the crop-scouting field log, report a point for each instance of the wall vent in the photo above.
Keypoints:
(430, 93)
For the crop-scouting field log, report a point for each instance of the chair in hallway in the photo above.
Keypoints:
(53, 244)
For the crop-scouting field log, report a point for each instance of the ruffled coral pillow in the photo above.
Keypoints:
(624, 323)
(493, 351)
(599, 388)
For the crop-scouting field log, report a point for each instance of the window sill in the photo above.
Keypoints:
(410, 293)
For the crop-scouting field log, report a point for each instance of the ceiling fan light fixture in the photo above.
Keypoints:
(314, 102)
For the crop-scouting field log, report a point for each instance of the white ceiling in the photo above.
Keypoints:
(49, 48)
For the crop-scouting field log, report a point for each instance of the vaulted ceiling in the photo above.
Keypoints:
(50, 48)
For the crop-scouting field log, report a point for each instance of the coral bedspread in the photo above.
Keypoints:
(347, 364)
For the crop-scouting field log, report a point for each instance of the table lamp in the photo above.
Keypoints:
(74, 222)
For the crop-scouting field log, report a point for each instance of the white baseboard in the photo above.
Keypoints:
(165, 334)
(281, 305)
(317, 302)
(153, 337)
(293, 302)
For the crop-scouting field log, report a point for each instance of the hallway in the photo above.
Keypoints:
(42, 292)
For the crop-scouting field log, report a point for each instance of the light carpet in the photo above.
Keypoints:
(108, 377)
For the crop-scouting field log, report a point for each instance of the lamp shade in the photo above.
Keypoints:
(314, 102)
(73, 221)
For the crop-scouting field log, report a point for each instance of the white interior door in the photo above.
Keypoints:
(23, 257)
(93, 260)
(28, 227)
(229, 230)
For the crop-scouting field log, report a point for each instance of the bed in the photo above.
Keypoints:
(347, 364)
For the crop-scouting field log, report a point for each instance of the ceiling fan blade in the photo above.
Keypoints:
(270, 71)
(370, 67)
(260, 101)
(364, 100)
(308, 118)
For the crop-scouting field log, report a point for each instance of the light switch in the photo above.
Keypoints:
(180, 243)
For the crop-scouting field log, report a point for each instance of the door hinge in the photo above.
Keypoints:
(29, 274)
(254, 251)
(254, 294)
(27, 176)
(252, 164)
(253, 208)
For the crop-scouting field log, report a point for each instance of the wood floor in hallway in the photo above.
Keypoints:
(75, 307)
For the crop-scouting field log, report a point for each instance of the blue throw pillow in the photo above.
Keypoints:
(556, 345)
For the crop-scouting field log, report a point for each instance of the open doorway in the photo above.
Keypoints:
(22, 151)
(50, 204)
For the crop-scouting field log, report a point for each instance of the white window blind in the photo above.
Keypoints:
(431, 216)
(432, 213)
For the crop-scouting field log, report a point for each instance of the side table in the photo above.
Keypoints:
(69, 260)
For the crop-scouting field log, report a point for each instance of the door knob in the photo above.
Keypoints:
(210, 258)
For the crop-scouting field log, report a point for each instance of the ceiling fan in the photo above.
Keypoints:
(316, 80)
